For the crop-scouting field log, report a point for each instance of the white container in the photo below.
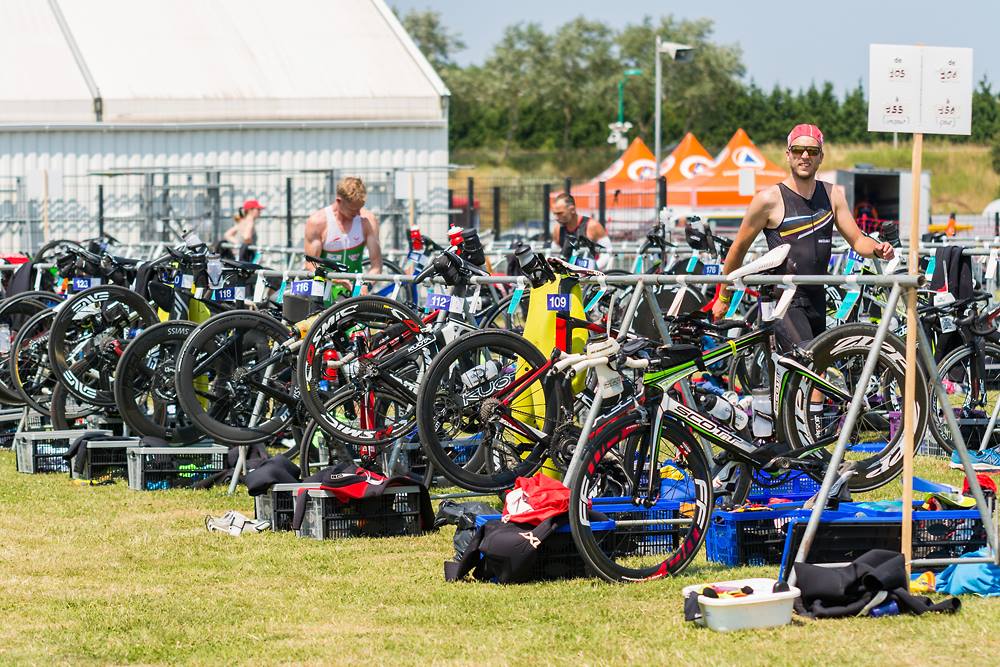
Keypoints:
(762, 609)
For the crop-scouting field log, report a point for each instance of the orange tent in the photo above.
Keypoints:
(630, 181)
(687, 160)
(720, 186)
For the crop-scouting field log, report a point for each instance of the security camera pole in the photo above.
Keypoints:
(681, 53)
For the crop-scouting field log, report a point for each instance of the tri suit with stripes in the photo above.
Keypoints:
(806, 226)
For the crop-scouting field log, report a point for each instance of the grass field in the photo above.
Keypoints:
(108, 575)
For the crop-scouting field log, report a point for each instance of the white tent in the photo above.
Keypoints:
(154, 61)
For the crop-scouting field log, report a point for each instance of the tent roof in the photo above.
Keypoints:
(720, 186)
(212, 60)
(635, 165)
(687, 160)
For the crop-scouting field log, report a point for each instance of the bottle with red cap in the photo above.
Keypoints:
(455, 237)
(416, 239)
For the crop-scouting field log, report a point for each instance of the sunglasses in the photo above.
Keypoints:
(811, 151)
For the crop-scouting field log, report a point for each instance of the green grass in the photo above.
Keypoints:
(104, 574)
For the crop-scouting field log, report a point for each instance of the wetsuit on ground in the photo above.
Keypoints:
(808, 228)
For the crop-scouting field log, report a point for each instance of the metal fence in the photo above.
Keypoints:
(150, 205)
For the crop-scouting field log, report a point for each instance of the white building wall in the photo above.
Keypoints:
(254, 159)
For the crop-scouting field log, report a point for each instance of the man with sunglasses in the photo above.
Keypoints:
(800, 212)
(344, 230)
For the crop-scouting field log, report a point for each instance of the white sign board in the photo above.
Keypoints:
(401, 186)
(924, 89)
(747, 182)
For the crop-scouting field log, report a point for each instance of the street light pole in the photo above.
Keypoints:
(681, 53)
(659, 96)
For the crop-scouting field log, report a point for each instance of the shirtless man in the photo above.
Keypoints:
(800, 212)
(342, 230)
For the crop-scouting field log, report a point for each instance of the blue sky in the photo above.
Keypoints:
(791, 43)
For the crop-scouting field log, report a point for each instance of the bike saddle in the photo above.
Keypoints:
(769, 261)
(336, 267)
(243, 266)
(562, 266)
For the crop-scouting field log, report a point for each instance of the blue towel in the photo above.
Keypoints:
(982, 579)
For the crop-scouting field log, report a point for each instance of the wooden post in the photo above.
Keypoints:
(910, 383)
(413, 201)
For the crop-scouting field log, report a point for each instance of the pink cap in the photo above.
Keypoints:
(805, 130)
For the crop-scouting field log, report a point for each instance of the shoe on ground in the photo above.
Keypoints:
(986, 460)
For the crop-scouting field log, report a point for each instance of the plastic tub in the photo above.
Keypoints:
(762, 609)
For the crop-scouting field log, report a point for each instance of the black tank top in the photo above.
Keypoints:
(808, 228)
(565, 235)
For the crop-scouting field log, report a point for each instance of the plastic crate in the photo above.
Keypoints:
(940, 534)
(395, 512)
(277, 505)
(42, 451)
(558, 557)
(793, 485)
(755, 537)
(156, 468)
(104, 459)
(9, 420)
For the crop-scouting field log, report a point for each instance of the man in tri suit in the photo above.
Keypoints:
(570, 224)
(343, 231)
(800, 212)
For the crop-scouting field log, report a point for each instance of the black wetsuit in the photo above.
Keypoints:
(808, 228)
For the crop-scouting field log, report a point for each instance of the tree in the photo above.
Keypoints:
(511, 76)
(436, 42)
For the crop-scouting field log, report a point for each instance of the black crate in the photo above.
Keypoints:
(157, 468)
(42, 451)
(105, 459)
(942, 534)
(277, 505)
(396, 512)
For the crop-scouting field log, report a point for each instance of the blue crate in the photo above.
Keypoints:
(841, 539)
(755, 537)
(792, 485)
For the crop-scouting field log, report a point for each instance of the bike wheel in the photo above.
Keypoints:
(501, 316)
(371, 399)
(14, 313)
(94, 326)
(31, 376)
(145, 390)
(972, 395)
(621, 541)
(67, 411)
(876, 443)
(476, 433)
(235, 378)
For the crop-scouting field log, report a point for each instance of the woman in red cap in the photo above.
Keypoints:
(242, 233)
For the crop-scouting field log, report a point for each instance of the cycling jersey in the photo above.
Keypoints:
(807, 226)
(346, 248)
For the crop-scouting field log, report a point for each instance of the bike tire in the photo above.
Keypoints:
(623, 553)
(849, 344)
(95, 323)
(15, 311)
(443, 389)
(952, 371)
(392, 352)
(230, 345)
(31, 376)
(145, 389)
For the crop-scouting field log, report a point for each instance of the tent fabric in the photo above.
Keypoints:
(635, 165)
(688, 160)
(720, 186)
(214, 61)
